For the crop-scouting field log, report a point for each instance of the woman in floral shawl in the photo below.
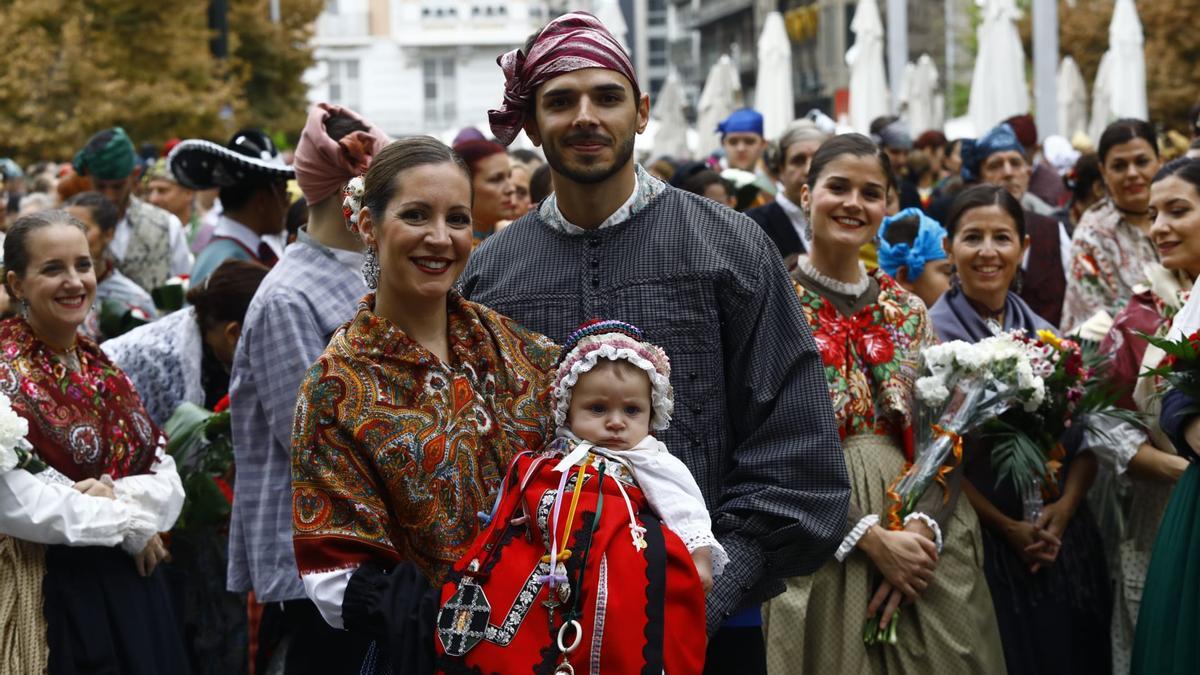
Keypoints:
(870, 332)
(80, 511)
(1111, 248)
(408, 421)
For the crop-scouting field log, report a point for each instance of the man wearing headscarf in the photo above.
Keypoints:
(313, 289)
(753, 417)
(150, 245)
(742, 139)
(1045, 183)
(999, 158)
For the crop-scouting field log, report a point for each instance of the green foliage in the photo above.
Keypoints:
(201, 443)
(73, 67)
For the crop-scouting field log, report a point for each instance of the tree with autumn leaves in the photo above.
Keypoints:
(1172, 50)
(73, 67)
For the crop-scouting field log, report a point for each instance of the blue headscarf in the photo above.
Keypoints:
(925, 247)
(744, 120)
(975, 152)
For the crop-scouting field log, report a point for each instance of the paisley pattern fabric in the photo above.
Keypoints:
(1109, 257)
(83, 424)
(871, 358)
(147, 259)
(396, 451)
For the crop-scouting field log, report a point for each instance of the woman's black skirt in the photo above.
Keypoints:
(102, 618)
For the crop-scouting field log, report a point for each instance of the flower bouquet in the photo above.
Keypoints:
(963, 386)
(1026, 442)
(1181, 367)
(15, 450)
(201, 443)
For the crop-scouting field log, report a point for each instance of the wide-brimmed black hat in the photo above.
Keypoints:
(249, 158)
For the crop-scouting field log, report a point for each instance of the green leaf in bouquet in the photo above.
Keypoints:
(200, 442)
(1016, 455)
(186, 430)
(1181, 349)
(118, 318)
(205, 507)
(169, 298)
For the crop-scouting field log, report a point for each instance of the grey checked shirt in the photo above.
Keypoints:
(753, 419)
(309, 293)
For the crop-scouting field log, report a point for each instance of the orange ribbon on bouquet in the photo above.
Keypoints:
(894, 520)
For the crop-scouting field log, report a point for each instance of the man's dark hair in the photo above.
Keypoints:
(698, 183)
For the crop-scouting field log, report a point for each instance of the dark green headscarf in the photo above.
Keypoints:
(109, 155)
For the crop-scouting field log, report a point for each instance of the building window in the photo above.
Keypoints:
(440, 110)
(344, 83)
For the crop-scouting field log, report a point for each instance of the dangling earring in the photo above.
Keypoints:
(370, 268)
(808, 233)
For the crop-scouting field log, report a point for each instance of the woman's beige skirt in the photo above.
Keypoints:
(816, 626)
(22, 623)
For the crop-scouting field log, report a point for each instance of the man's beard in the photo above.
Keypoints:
(622, 153)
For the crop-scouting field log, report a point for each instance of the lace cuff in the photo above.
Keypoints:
(851, 539)
(140, 528)
(697, 540)
(931, 523)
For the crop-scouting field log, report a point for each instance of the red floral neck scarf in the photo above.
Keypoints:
(84, 423)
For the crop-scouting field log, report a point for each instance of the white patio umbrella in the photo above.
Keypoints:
(1101, 98)
(1128, 75)
(1072, 99)
(998, 89)
(668, 111)
(719, 98)
(868, 83)
(609, 13)
(773, 89)
(923, 101)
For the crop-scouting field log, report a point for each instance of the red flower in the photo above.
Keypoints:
(875, 345)
(833, 351)
(222, 405)
(223, 486)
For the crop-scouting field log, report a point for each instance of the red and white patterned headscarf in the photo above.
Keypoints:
(571, 42)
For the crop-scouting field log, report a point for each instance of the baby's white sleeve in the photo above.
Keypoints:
(675, 497)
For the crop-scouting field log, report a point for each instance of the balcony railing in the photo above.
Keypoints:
(352, 25)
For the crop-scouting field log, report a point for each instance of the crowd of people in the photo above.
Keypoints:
(480, 397)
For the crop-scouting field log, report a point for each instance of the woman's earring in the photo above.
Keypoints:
(370, 268)
(808, 233)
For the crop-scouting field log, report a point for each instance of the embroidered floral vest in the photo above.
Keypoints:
(148, 256)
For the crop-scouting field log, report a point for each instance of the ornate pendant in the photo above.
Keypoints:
(463, 620)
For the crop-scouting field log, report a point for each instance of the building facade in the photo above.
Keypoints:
(418, 66)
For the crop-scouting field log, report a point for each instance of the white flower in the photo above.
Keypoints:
(13, 427)
(932, 391)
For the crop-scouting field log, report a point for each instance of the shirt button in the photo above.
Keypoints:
(696, 443)
(595, 282)
(693, 375)
(593, 242)
(696, 409)
(595, 263)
